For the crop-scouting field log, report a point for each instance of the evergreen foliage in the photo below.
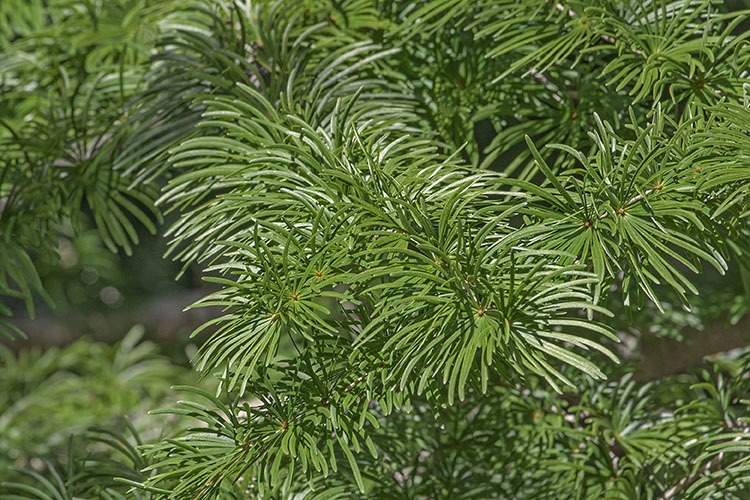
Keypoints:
(450, 211)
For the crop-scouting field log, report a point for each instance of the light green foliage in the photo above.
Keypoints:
(46, 396)
(438, 205)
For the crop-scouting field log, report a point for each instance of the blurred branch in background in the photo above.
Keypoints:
(167, 322)
(164, 318)
(661, 356)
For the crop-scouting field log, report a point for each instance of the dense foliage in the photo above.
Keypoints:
(431, 223)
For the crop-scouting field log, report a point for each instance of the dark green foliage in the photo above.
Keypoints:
(436, 205)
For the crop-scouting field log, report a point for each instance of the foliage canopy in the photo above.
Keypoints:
(450, 211)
